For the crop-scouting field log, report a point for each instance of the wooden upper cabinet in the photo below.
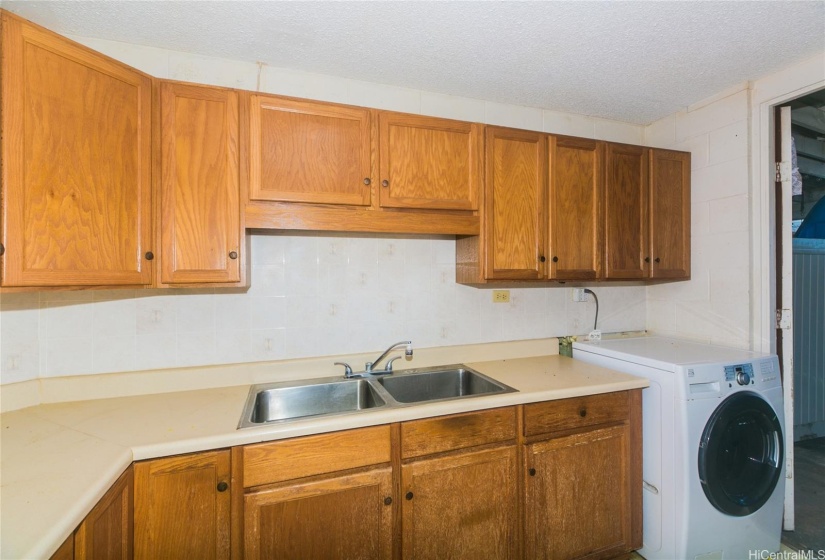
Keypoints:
(306, 151)
(107, 533)
(76, 163)
(669, 214)
(626, 212)
(514, 219)
(182, 507)
(200, 218)
(574, 208)
(429, 163)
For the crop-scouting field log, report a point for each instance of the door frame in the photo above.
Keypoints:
(766, 95)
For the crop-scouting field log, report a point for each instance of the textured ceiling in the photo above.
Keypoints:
(632, 61)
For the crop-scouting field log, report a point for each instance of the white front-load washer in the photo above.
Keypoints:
(713, 446)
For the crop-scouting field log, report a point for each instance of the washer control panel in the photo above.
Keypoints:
(741, 373)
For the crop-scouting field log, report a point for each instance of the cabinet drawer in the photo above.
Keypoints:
(578, 412)
(277, 461)
(458, 431)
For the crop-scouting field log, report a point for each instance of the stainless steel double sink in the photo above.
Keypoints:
(294, 400)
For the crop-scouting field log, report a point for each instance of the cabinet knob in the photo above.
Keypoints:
(409, 496)
(657, 259)
(387, 501)
(222, 486)
(555, 259)
(583, 412)
(385, 183)
(542, 258)
(233, 255)
(2, 249)
(367, 180)
(647, 259)
(149, 255)
(532, 472)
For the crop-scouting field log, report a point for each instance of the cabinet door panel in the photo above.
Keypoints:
(429, 163)
(200, 202)
(341, 517)
(76, 163)
(514, 206)
(461, 506)
(179, 511)
(669, 214)
(578, 500)
(303, 151)
(107, 532)
(575, 217)
(626, 192)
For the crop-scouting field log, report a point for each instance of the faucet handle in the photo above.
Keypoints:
(347, 369)
(388, 367)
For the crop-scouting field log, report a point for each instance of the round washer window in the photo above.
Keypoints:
(740, 454)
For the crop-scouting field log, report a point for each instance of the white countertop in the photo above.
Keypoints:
(59, 459)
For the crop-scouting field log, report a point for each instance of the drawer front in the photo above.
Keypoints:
(458, 431)
(277, 461)
(578, 412)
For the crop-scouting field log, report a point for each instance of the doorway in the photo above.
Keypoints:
(800, 285)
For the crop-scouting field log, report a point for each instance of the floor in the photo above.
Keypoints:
(809, 493)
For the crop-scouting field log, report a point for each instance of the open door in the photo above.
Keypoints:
(784, 296)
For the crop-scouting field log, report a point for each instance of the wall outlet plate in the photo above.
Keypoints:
(594, 335)
(579, 295)
(501, 296)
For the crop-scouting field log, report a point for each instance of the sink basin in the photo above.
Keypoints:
(285, 401)
(433, 385)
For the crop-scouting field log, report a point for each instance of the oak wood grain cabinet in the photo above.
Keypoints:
(647, 211)
(182, 507)
(107, 532)
(459, 486)
(583, 484)
(76, 163)
(429, 163)
(323, 496)
(200, 227)
(574, 205)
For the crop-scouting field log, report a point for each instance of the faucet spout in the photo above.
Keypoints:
(369, 366)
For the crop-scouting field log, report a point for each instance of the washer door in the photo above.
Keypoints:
(740, 454)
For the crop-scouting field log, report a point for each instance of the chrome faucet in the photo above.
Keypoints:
(368, 367)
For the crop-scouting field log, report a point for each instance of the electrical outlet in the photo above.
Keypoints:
(501, 296)
(594, 335)
(579, 295)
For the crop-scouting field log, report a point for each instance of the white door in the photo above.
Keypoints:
(784, 333)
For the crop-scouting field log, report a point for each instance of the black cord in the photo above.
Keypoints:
(592, 293)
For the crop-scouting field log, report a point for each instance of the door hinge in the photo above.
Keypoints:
(783, 171)
(783, 319)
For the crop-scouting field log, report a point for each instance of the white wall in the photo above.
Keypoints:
(311, 294)
(714, 306)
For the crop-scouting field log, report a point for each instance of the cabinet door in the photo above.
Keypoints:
(304, 151)
(200, 201)
(348, 516)
(626, 212)
(574, 208)
(669, 214)
(107, 532)
(578, 492)
(76, 163)
(429, 163)
(514, 221)
(461, 506)
(182, 507)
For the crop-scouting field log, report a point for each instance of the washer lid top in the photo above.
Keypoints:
(665, 353)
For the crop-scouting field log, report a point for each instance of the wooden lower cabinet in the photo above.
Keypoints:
(107, 532)
(182, 507)
(347, 516)
(461, 506)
